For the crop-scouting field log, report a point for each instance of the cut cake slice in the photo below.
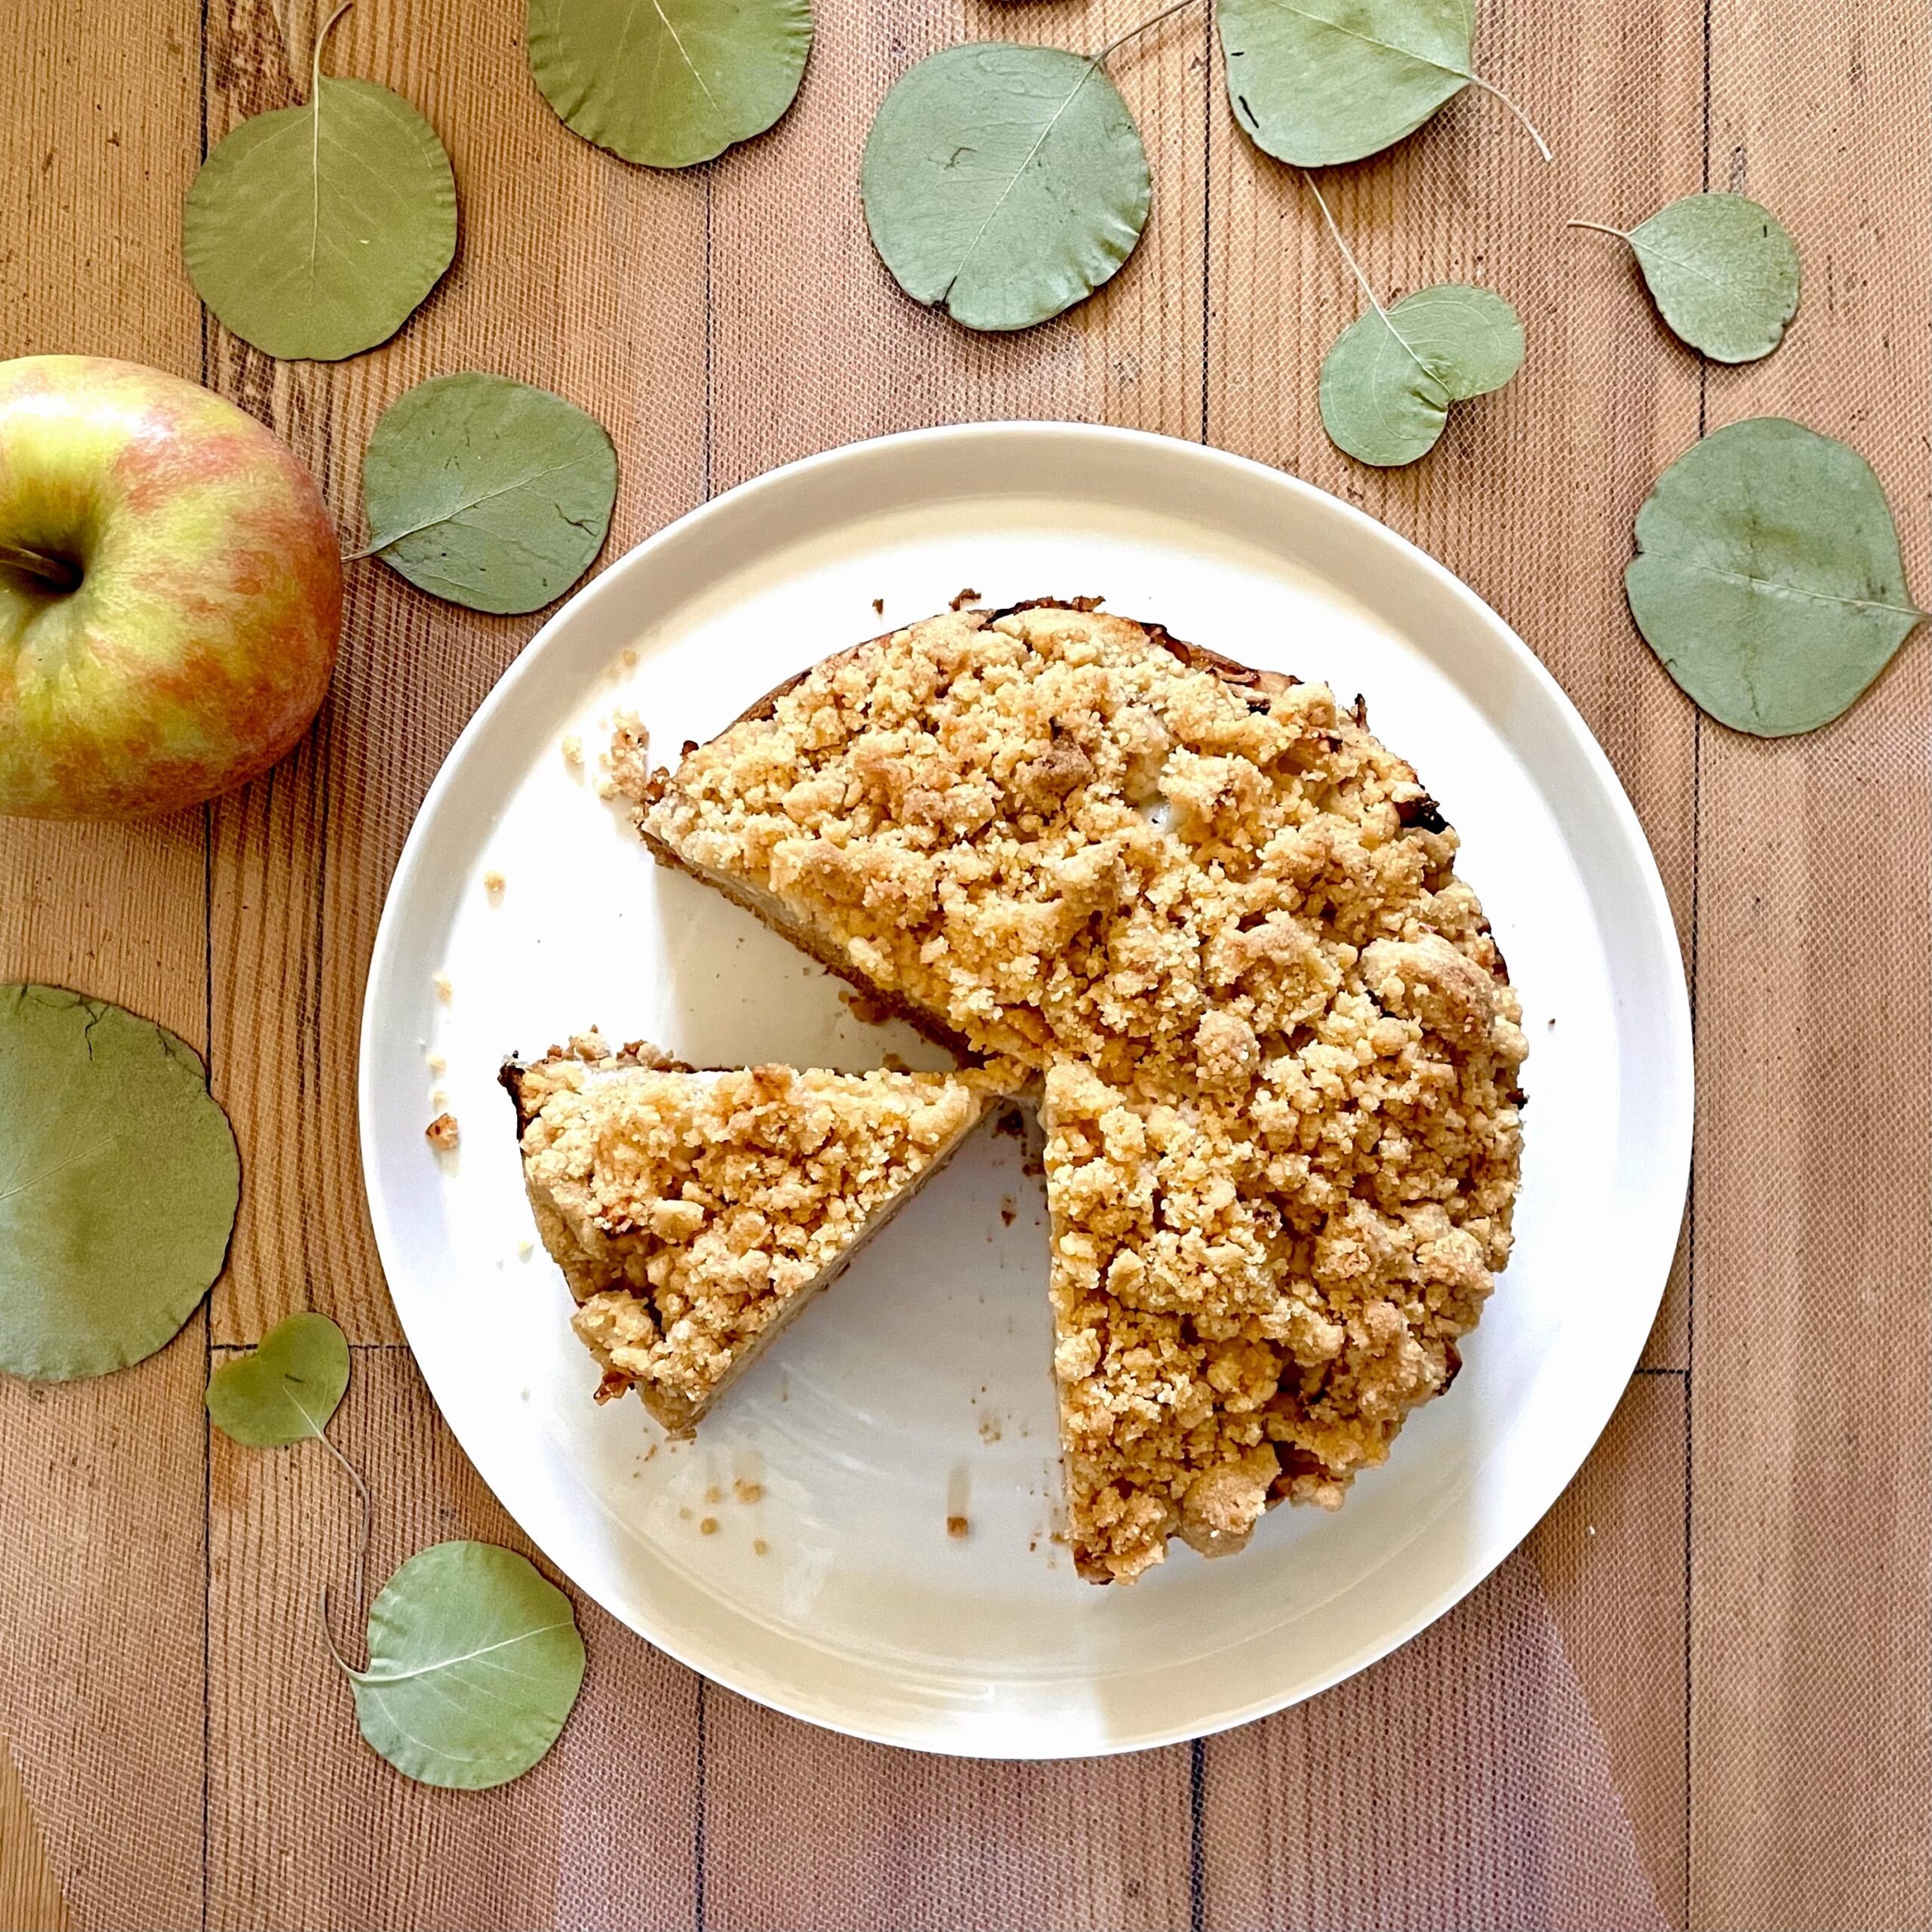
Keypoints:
(694, 1214)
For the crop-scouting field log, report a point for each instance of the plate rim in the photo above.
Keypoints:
(1671, 1138)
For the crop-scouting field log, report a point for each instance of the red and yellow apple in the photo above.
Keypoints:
(170, 592)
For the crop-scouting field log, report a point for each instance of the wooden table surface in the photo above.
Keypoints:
(1740, 1577)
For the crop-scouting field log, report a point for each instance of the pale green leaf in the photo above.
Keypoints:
(316, 230)
(118, 1182)
(1722, 271)
(669, 83)
(286, 1390)
(1004, 183)
(1768, 578)
(1387, 383)
(475, 1662)
(487, 492)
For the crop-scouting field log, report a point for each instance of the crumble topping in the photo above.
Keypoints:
(689, 1211)
(1279, 1045)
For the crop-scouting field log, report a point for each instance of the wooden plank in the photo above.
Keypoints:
(30, 1899)
(573, 271)
(1531, 495)
(1611, 1556)
(886, 1838)
(814, 345)
(307, 1826)
(1811, 1766)
(100, 1483)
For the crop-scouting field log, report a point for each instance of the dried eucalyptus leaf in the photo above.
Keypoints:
(315, 232)
(487, 492)
(118, 1183)
(1768, 578)
(287, 1389)
(669, 83)
(1319, 81)
(1723, 272)
(1004, 183)
(1387, 383)
(475, 1662)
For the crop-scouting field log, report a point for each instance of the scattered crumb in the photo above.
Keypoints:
(630, 655)
(1551, 1021)
(990, 1428)
(879, 606)
(437, 1064)
(747, 1492)
(438, 1099)
(445, 989)
(714, 1494)
(524, 1249)
(683, 1514)
(650, 1452)
(573, 749)
(1007, 1209)
(863, 1007)
(759, 1545)
(958, 1528)
(965, 598)
(442, 1132)
(895, 1063)
(708, 1527)
(493, 884)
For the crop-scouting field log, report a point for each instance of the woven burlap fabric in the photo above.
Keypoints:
(1702, 1694)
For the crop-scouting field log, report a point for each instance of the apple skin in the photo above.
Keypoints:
(197, 647)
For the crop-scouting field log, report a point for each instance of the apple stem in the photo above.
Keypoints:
(56, 571)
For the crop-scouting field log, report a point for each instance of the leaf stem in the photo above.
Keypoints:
(1601, 228)
(354, 1475)
(56, 573)
(327, 28)
(1491, 87)
(1355, 267)
(1146, 26)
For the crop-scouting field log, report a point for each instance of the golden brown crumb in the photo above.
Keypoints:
(879, 606)
(747, 1492)
(708, 1526)
(573, 751)
(961, 598)
(957, 1527)
(1279, 1046)
(437, 1064)
(714, 1494)
(864, 1008)
(629, 655)
(445, 987)
(493, 884)
(689, 1211)
(441, 1133)
(759, 1545)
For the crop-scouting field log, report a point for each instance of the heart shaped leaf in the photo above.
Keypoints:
(118, 1183)
(1004, 183)
(316, 230)
(1722, 270)
(475, 1662)
(673, 82)
(1767, 576)
(287, 1389)
(1318, 81)
(487, 492)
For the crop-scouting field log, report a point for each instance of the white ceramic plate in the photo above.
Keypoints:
(918, 1390)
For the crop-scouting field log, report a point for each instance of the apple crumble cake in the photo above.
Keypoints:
(695, 1213)
(1221, 922)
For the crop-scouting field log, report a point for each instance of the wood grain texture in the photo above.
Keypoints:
(574, 272)
(1751, 1677)
(307, 1825)
(101, 1571)
(30, 1899)
(1809, 1697)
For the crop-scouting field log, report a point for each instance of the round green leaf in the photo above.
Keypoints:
(1004, 183)
(118, 1182)
(1768, 578)
(474, 1663)
(1387, 384)
(1723, 272)
(1318, 81)
(487, 492)
(673, 82)
(287, 1390)
(315, 231)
